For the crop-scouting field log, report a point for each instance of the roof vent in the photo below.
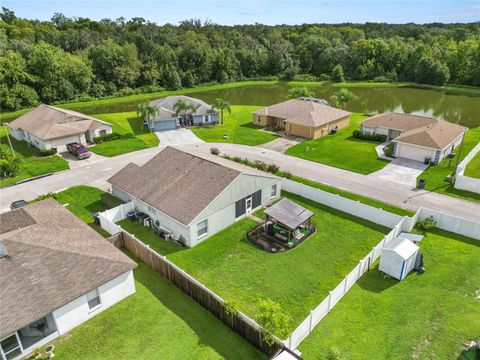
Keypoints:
(3, 251)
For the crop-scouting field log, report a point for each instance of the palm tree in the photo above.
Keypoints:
(296, 92)
(221, 105)
(342, 97)
(182, 106)
(145, 111)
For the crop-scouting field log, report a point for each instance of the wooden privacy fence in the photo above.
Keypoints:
(239, 322)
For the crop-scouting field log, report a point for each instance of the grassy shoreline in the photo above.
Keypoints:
(78, 105)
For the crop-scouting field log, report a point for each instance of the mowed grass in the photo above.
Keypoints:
(298, 279)
(436, 174)
(157, 322)
(424, 316)
(473, 167)
(133, 135)
(30, 165)
(342, 150)
(239, 128)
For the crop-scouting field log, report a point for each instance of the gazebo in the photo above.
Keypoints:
(287, 224)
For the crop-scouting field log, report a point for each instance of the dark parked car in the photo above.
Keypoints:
(18, 204)
(78, 150)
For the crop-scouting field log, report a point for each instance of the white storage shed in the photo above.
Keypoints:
(398, 258)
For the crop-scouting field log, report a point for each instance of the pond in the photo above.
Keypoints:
(461, 109)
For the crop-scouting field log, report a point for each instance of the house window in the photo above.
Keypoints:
(274, 191)
(202, 228)
(259, 118)
(205, 118)
(93, 299)
(10, 347)
(103, 132)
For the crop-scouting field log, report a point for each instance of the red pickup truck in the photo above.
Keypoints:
(78, 150)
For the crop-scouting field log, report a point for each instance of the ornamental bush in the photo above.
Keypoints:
(370, 137)
(104, 138)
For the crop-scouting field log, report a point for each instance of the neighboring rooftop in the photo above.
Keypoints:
(167, 105)
(49, 122)
(288, 213)
(398, 121)
(304, 111)
(178, 183)
(52, 258)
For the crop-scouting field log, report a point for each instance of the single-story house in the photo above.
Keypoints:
(47, 127)
(416, 137)
(193, 197)
(305, 117)
(168, 118)
(398, 258)
(55, 273)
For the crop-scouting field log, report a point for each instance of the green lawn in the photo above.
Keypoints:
(238, 125)
(157, 322)
(435, 175)
(30, 165)
(341, 150)
(473, 167)
(424, 316)
(298, 279)
(133, 135)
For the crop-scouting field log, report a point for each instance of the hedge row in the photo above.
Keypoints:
(105, 138)
(370, 137)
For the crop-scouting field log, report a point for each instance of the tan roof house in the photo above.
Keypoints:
(47, 127)
(193, 196)
(305, 117)
(416, 137)
(55, 273)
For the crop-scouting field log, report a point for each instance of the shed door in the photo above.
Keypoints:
(165, 125)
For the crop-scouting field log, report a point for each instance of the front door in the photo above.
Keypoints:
(248, 205)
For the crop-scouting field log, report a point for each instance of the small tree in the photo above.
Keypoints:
(300, 91)
(182, 106)
(337, 73)
(221, 105)
(342, 97)
(273, 320)
(145, 111)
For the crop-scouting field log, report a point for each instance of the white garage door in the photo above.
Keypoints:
(414, 153)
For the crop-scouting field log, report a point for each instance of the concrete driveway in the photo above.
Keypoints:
(179, 136)
(281, 144)
(401, 171)
(73, 162)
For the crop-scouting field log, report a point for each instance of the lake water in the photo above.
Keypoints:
(460, 109)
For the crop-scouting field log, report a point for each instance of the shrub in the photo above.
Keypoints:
(337, 73)
(260, 165)
(104, 138)
(273, 320)
(305, 77)
(287, 174)
(46, 196)
(426, 224)
(324, 77)
(9, 165)
(370, 137)
(334, 354)
(49, 152)
(388, 150)
(272, 168)
(381, 79)
(237, 159)
(247, 162)
(230, 307)
(214, 151)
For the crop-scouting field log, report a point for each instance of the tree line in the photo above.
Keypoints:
(80, 59)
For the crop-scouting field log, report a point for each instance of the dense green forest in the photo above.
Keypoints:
(79, 59)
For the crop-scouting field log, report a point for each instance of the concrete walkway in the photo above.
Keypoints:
(97, 173)
(380, 153)
(179, 136)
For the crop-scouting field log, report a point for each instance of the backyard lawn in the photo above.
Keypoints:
(425, 316)
(341, 150)
(238, 125)
(30, 165)
(133, 135)
(473, 167)
(435, 175)
(298, 279)
(157, 322)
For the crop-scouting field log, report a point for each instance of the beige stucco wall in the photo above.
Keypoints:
(262, 120)
(314, 133)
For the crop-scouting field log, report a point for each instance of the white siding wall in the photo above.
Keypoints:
(96, 132)
(413, 152)
(448, 149)
(76, 312)
(380, 130)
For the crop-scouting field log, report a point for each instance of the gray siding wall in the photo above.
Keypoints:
(221, 212)
(199, 119)
(174, 226)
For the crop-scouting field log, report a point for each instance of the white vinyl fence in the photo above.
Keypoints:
(108, 218)
(463, 182)
(452, 223)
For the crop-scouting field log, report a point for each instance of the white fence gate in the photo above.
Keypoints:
(463, 182)
(108, 218)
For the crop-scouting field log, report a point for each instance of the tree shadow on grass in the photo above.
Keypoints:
(211, 331)
(136, 124)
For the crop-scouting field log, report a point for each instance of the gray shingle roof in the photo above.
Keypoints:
(304, 112)
(167, 105)
(49, 122)
(178, 183)
(52, 258)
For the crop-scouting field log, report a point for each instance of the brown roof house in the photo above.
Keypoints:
(55, 273)
(416, 137)
(47, 127)
(191, 196)
(305, 117)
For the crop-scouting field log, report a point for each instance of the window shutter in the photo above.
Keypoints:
(240, 208)
(256, 199)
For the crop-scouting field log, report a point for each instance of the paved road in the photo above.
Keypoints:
(97, 173)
